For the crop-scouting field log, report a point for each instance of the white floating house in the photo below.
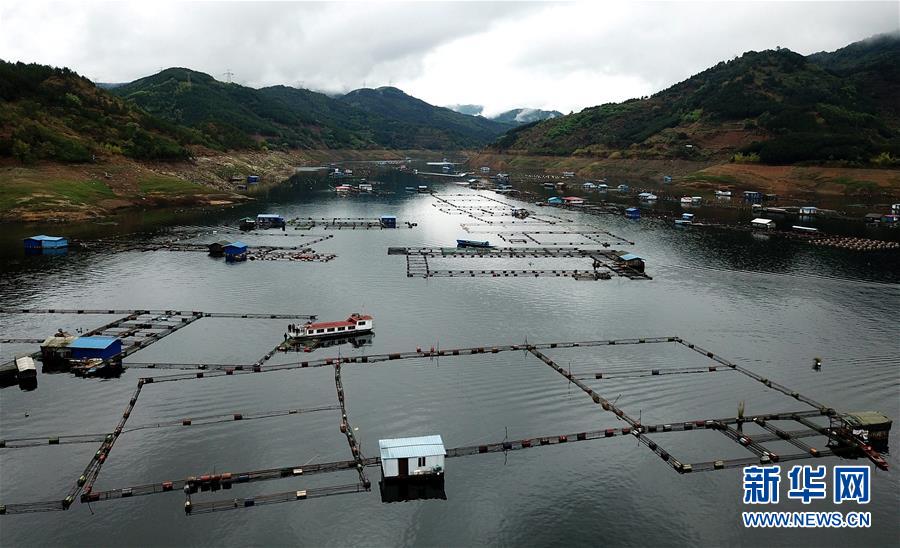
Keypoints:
(764, 224)
(421, 457)
(808, 210)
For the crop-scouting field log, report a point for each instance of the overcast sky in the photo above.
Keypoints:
(563, 56)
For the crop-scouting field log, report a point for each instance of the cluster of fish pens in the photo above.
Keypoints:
(842, 432)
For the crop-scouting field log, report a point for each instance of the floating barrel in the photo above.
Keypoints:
(712, 368)
(482, 448)
(526, 443)
(626, 430)
(507, 446)
(581, 436)
(186, 422)
(610, 432)
(167, 486)
(563, 439)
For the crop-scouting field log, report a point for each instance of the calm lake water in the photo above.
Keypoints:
(768, 304)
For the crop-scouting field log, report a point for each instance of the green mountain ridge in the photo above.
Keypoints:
(774, 106)
(54, 114)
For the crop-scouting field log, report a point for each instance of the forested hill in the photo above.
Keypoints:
(54, 114)
(774, 106)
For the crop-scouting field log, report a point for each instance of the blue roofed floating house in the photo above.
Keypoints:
(633, 213)
(556, 200)
(235, 251)
(632, 261)
(388, 221)
(412, 458)
(43, 241)
(95, 346)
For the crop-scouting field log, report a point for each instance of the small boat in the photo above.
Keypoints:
(588, 186)
(343, 189)
(602, 187)
(622, 188)
(685, 199)
(422, 188)
(548, 185)
(723, 194)
(355, 323)
(697, 200)
(366, 187)
(247, 223)
(472, 243)
(647, 196)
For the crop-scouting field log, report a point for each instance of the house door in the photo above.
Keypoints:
(403, 467)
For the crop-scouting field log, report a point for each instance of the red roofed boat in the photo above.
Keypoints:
(355, 324)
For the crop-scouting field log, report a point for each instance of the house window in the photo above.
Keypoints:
(331, 330)
(349, 327)
(340, 328)
(421, 462)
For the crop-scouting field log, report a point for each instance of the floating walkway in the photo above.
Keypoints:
(604, 263)
(729, 427)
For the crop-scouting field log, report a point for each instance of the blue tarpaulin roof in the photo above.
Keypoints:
(388, 217)
(628, 256)
(631, 209)
(95, 342)
(405, 448)
(237, 245)
(45, 238)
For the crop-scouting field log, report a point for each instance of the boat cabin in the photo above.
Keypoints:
(763, 224)
(355, 323)
(622, 188)
(412, 458)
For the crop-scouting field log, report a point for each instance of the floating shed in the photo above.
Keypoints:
(633, 213)
(56, 349)
(574, 200)
(25, 368)
(556, 200)
(872, 426)
(46, 242)
(632, 261)
(808, 210)
(269, 220)
(235, 251)
(485, 169)
(687, 216)
(622, 188)
(752, 197)
(252, 179)
(247, 223)
(218, 248)
(421, 457)
(95, 346)
(764, 224)
(388, 221)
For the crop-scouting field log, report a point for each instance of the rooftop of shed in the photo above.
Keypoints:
(404, 448)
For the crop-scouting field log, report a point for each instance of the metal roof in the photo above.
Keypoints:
(268, 216)
(45, 238)
(405, 448)
(761, 221)
(628, 256)
(236, 244)
(95, 342)
(57, 342)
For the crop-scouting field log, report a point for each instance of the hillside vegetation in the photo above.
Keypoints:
(773, 107)
(54, 114)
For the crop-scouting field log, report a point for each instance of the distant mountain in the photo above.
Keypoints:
(437, 127)
(526, 115)
(234, 116)
(471, 110)
(55, 114)
(774, 106)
